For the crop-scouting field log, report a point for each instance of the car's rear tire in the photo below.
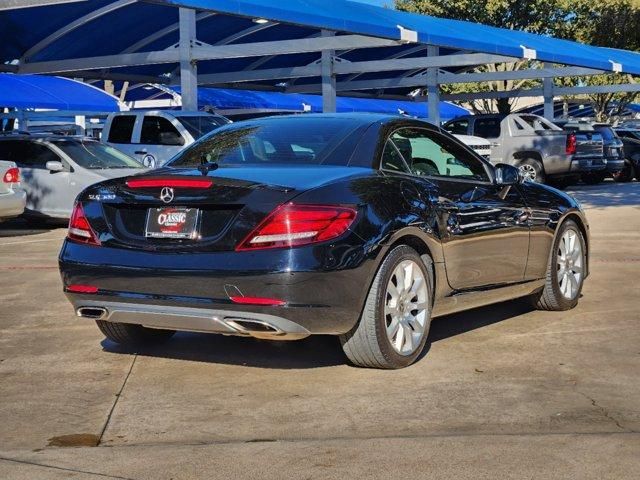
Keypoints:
(395, 321)
(532, 170)
(625, 175)
(565, 272)
(594, 178)
(129, 334)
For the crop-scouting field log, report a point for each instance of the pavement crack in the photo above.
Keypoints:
(606, 413)
(65, 469)
(115, 402)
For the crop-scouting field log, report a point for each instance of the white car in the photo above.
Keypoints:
(481, 146)
(54, 169)
(12, 197)
(153, 137)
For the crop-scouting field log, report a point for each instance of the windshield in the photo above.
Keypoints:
(291, 140)
(94, 155)
(199, 126)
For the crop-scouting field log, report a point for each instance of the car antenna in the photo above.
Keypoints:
(206, 166)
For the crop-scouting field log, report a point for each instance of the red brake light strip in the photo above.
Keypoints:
(169, 182)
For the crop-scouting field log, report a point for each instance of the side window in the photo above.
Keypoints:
(487, 128)
(391, 159)
(430, 154)
(34, 155)
(458, 127)
(159, 131)
(10, 150)
(121, 129)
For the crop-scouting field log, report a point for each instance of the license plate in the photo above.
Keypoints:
(172, 222)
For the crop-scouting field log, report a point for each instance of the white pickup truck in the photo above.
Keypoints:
(153, 137)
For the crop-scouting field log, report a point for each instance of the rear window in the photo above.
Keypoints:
(121, 129)
(487, 128)
(296, 141)
(199, 126)
(94, 155)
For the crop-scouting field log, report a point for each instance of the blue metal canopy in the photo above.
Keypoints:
(42, 92)
(227, 99)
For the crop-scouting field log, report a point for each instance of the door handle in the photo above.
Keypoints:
(140, 152)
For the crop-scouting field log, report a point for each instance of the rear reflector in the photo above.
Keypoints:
(11, 176)
(79, 228)
(294, 225)
(257, 301)
(169, 182)
(82, 289)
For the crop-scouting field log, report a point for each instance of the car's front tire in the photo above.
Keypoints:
(565, 272)
(395, 321)
(133, 335)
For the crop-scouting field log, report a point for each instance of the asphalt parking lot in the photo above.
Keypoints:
(504, 391)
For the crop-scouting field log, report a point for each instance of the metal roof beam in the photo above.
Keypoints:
(539, 92)
(532, 73)
(352, 67)
(278, 47)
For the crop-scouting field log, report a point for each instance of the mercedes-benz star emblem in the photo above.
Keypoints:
(166, 195)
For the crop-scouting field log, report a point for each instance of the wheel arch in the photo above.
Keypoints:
(582, 225)
(519, 157)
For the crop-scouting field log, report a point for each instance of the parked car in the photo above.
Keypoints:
(12, 197)
(587, 135)
(153, 137)
(360, 226)
(613, 155)
(481, 146)
(541, 150)
(55, 169)
(631, 140)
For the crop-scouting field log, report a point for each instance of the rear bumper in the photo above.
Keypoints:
(588, 165)
(12, 204)
(322, 291)
(615, 165)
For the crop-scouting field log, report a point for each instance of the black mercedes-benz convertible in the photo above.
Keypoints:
(361, 226)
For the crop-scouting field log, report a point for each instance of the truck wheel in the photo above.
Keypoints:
(565, 272)
(625, 175)
(395, 321)
(593, 178)
(532, 170)
(129, 334)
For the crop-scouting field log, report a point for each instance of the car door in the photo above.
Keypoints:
(159, 141)
(43, 186)
(483, 227)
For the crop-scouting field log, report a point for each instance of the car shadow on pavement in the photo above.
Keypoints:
(313, 352)
(607, 194)
(20, 227)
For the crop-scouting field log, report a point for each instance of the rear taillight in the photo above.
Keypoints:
(169, 182)
(79, 228)
(572, 144)
(294, 225)
(11, 176)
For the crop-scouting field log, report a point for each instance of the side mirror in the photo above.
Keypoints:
(506, 175)
(54, 166)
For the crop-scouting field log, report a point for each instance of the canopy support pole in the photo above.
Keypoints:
(188, 68)
(547, 88)
(328, 78)
(433, 88)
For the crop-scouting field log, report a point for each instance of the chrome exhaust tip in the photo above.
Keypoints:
(255, 328)
(94, 313)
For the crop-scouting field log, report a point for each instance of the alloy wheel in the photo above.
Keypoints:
(528, 172)
(406, 307)
(570, 264)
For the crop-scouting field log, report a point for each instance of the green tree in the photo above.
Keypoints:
(610, 23)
